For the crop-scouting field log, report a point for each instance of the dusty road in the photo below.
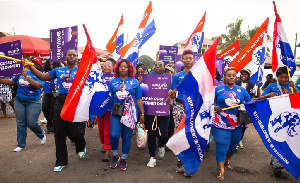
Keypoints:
(37, 162)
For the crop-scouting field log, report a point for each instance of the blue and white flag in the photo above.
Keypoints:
(278, 125)
(131, 50)
(282, 54)
(198, 90)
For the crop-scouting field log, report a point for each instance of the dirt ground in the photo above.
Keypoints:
(36, 164)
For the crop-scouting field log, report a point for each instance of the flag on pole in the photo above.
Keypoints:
(116, 42)
(195, 40)
(282, 54)
(230, 53)
(278, 125)
(198, 90)
(88, 94)
(252, 56)
(131, 50)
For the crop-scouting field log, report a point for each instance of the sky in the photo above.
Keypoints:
(175, 20)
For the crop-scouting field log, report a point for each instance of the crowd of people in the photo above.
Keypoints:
(55, 80)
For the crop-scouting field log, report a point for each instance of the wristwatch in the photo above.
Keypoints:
(142, 114)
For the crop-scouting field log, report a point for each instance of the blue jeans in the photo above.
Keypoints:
(27, 115)
(116, 130)
(226, 141)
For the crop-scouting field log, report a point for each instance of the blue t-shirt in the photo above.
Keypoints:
(63, 83)
(48, 86)
(177, 78)
(25, 90)
(226, 97)
(131, 87)
(274, 88)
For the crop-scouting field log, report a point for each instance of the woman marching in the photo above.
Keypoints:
(125, 91)
(282, 86)
(226, 131)
(73, 130)
(28, 105)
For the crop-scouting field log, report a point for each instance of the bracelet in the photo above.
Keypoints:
(142, 114)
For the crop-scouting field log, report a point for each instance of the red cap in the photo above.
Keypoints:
(38, 60)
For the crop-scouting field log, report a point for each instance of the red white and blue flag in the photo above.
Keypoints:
(131, 50)
(282, 54)
(252, 56)
(230, 53)
(116, 42)
(195, 40)
(88, 94)
(198, 90)
(278, 125)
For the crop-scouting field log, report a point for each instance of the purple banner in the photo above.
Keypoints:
(9, 68)
(155, 89)
(168, 54)
(61, 40)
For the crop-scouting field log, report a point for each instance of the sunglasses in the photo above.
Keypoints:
(158, 65)
(67, 75)
(122, 84)
(104, 65)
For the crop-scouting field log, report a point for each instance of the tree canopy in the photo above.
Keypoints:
(148, 61)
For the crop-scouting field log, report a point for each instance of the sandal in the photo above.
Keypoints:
(220, 177)
(228, 164)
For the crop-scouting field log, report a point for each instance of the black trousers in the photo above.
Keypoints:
(48, 110)
(63, 129)
(163, 124)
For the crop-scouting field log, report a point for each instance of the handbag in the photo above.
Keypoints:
(118, 109)
(141, 137)
(243, 118)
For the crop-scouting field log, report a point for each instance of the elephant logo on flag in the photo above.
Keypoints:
(285, 127)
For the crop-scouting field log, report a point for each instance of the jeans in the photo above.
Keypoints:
(27, 115)
(162, 124)
(116, 130)
(226, 141)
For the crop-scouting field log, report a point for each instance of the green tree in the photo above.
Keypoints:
(148, 61)
(234, 33)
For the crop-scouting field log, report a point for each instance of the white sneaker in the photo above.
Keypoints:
(82, 154)
(18, 149)
(152, 162)
(58, 168)
(161, 152)
(241, 145)
(43, 140)
(44, 121)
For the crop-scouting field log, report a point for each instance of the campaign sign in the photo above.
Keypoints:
(155, 89)
(9, 68)
(61, 40)
(168, 53)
